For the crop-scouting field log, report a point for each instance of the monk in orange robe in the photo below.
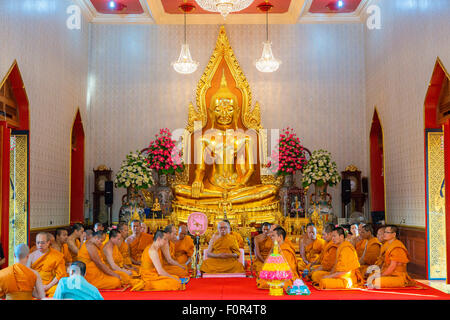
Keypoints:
(393, 269)
(310, 247)
(75, 239)
(61, 245)
(153, 275)
(137, 242)
(184, 247)
(371, 250)
(263, 247)
(97, 272)
(345, 272)
(278, 236)
(223, 253)
(18, 282)
(123, 248)
(168, 253)
(327, 258)
(48, 262)
(287, 240)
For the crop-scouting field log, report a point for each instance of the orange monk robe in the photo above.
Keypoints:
(224, 244)
(66, 253)
(94, 275)
(396, 251)
(78, 245)
(125, 253)
(360, 246)
(239, 239)
(289, 255)
(265, 248)
(372, 252)
(380, 259)
(139, 244)
(327, 260)
(152, 280)
(312, 253)
(17, 282)
(49, 266)
(172, 269)
(346, 261)
(184, 249)
(118, 260)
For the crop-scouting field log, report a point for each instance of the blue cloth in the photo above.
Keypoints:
(76, 288)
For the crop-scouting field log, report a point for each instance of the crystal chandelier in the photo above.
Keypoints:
(224, 6)
(185, 64)
(267, 62)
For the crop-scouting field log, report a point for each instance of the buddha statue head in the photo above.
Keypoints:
(224, 108)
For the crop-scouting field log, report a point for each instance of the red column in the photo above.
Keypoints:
(447, 191)
(6, 135)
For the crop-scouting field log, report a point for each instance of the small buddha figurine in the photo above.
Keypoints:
(156, 208)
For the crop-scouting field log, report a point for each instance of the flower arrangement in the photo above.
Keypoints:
(290, 156)
(320, 170)
(163, 156)
(135, 172)
(275, 270)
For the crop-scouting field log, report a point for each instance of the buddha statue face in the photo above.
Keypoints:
(224, 107)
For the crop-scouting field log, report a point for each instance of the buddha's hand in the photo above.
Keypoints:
(197, 188)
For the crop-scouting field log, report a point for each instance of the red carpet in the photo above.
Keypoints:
(245, 289)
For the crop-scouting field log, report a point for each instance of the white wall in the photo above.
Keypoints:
(53, 61)
(399, 62)
(319, 89)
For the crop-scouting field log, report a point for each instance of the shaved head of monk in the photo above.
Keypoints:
(390, 233)
(265, 228)
(159, 239)
(115, 237)
(42, 241)
(77, 230)
(223, 228)
(144, 227)
(61, 235)
(311, 231)
(136, 227)
(182, 232)
(123, 229)
(366, 231)
(380, 234)
(171, 232)
(97, 239)
(278, 235)
(98, 227)
(326, 232)
(338, 235)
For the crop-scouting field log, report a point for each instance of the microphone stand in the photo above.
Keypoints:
(251, 259)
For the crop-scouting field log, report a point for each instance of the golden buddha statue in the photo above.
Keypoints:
(225, 180)
(156, 206)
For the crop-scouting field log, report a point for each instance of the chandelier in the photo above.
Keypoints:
(267, 62)
(224, 6)
(185, 64)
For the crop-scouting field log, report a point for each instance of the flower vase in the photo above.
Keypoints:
(276, 288)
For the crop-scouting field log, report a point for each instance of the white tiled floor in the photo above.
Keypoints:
(437, 284)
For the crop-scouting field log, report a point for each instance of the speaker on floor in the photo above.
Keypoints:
(109, 195)
(365, 184)
(346, 191)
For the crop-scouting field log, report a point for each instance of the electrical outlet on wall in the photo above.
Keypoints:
(50, 222)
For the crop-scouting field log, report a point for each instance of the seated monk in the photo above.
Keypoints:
(353, 237)
(123, 248)
(97, 272)
(75, 287)
(113, 258)
(287, 240)
(360, 242)
(48, 262)
(371, 249)
(278, 236)
(99, 227)
(153, 275)
(144, 227)
(18, 282)
(310, 247)
(393, 269)
(61, 245)
(237, 235)
(184, 247)
(223, 253)
(345, 272)
(75, 239)
(263, 247)
(168, 252)
(327, 258)
(137, 242)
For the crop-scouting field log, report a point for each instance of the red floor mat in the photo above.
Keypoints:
(245, 289)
